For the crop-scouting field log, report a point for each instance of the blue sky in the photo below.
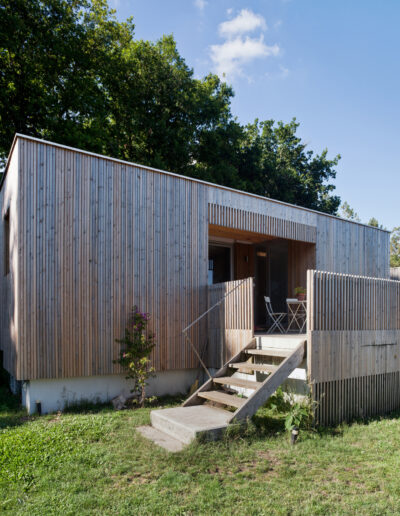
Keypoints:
(334, 65)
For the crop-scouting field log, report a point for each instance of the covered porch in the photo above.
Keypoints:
(277, 265)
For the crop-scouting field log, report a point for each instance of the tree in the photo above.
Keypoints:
(51, 54)
(276, 163)
(348, 213)
(160, 115)
(374, 223)
(134, 353)
(395, 247)
(71, 73)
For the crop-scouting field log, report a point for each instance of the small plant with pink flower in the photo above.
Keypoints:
(136, 346)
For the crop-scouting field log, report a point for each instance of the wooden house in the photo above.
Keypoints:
(85, 237)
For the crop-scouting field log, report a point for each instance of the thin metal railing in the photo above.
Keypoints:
(218, 303)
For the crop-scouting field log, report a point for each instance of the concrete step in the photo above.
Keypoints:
(187, 423)
(160, 438)
(286, 341)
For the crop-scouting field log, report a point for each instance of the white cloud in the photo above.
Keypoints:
(229, 11)
(230, 57)
(245, 21)
(284, 71)
(200, 4)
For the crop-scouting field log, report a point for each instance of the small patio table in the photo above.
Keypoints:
(297, 315)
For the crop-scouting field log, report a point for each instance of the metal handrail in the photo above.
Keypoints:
(184, 331)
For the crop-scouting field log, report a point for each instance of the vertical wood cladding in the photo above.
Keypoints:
(231, 324)
(301, 258)
(91, 236)
(9, 279)
(395, 273)
(246, 220)
(99, 237)
(353, 343)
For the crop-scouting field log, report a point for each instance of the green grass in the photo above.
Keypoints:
(93, 462)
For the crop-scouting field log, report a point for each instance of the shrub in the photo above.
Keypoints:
(136, 347)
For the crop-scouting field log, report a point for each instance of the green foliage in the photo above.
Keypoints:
(278, 402)
(374, 223)
(300, 414)
(348, 213)
(299, 290)
(10, 408)
(297, 411)
(395, 247)
(96, 463)
(136, 347)
(275, 162)
(72, 73)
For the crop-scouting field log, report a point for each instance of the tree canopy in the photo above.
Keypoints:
(71, 73)
(395, 247)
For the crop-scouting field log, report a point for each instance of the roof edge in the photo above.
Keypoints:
(187, 178)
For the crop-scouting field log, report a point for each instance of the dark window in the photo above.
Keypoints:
(7, 243)
(219, 264)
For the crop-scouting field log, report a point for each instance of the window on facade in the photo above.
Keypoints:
(6, 245)
(219, 264)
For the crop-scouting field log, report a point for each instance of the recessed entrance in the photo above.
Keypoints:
(277, 266)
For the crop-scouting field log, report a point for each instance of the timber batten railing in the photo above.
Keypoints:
(353, 343)
(231, 327)
(395, 273)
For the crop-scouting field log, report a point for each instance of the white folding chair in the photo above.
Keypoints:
(276, 317)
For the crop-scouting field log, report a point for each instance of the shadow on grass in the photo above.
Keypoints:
(11, 412)
(90, 407)
(337, 431)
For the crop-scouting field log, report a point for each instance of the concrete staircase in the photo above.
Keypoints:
(235, 392)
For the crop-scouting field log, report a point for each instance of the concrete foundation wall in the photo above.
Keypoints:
(55, 394)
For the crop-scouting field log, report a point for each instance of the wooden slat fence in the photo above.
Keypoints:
(395, 273)
(353, 345)
(231, 324)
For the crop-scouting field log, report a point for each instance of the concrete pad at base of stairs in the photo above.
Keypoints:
(161, 439)
(187, 423)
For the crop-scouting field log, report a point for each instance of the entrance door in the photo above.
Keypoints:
(243, 261)
(278, 269)
(271, 278)
(261, 287)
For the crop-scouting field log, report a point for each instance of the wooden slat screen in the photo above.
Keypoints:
(231, 324)
(347, 302)
(244, 220)
(395, 273)
(353, 343)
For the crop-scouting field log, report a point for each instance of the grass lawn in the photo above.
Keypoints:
(93, 462)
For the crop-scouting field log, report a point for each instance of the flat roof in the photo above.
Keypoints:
(187, 178)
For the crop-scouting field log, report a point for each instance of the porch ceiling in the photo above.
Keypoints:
(237, 234)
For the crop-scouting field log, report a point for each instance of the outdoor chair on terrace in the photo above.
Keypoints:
(276, 317)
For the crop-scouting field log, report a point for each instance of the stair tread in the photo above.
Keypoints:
(270, 352)
(238, 382)
(264, 368)
(224, 398)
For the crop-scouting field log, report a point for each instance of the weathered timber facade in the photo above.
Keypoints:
(353, 344)
(91, 236)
